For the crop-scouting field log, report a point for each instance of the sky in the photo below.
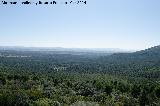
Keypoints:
(125, 24)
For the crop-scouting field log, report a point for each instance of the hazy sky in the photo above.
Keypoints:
(126, 24)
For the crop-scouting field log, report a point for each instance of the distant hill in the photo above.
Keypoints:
(98, 50)
(59, 50)
(142, 62)
(151, 54)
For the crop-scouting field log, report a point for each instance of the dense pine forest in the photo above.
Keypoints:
(79, 78)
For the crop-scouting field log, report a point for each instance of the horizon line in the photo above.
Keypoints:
(114, 48)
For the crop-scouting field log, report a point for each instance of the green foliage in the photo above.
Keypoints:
(46, 102)
(127, 79)
(108, 89)
(157, 91)
(123, 87)
(3, 80)
(10, 98)
(82, 103)
(136, 90)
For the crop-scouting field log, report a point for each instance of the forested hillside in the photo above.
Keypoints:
(75, 78)
(145, 63)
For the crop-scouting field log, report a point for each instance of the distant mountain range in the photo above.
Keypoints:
(102, 50)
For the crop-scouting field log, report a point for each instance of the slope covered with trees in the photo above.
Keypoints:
(59, 78)
(145, 63)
